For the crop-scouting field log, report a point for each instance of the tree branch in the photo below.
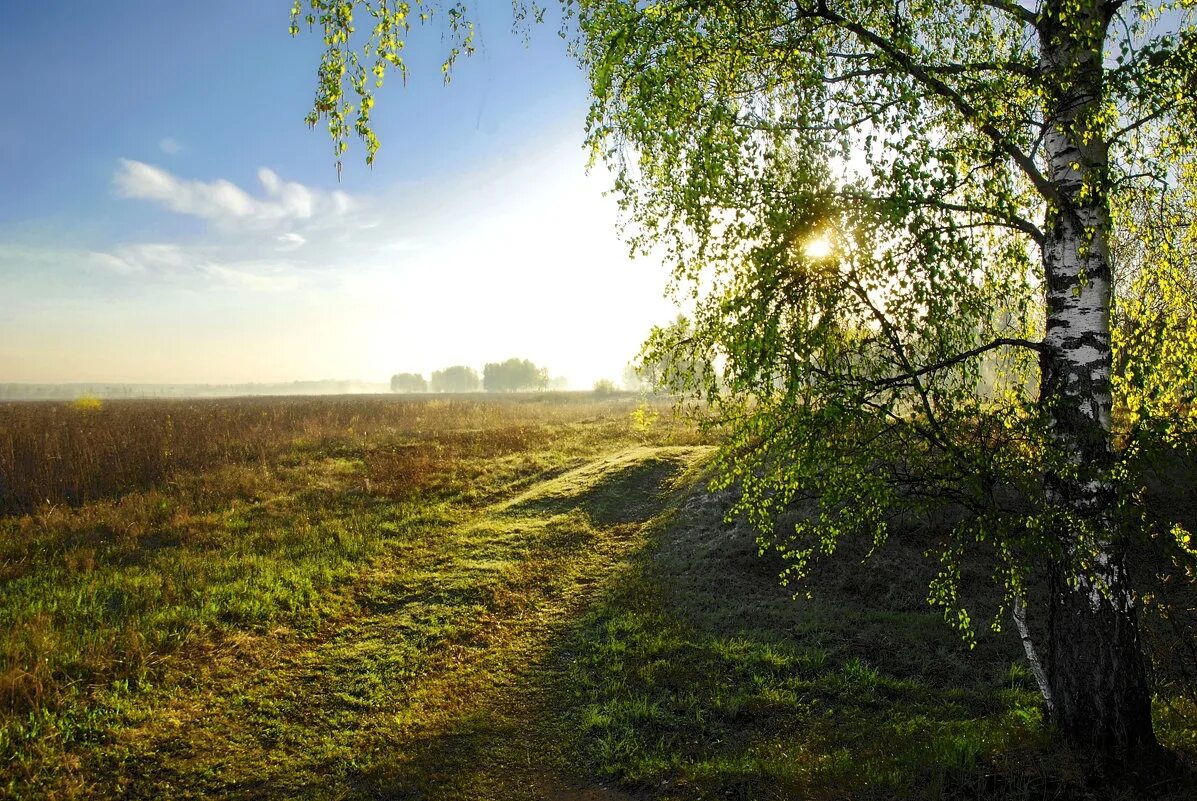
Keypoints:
(961, 103)
(957, 359)
(942, 69)
(1024, 15)
(1004, 218)
(1025, 70)
(1019, 613)
(1139, 123)
(887, 330)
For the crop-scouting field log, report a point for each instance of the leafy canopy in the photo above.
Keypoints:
(891, 369)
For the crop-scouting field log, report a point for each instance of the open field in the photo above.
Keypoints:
(468, 598)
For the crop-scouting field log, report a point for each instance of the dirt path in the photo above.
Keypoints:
(449, 683)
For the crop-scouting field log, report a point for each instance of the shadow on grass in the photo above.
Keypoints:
(628, 489)
(558, 649)
(446, 684)
(688, 673)
(699, 677)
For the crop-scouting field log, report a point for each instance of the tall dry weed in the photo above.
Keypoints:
(71, 454)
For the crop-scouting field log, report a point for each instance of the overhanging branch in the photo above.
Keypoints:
(917, 71)
(1001, 217)
(1000, 342)
(1024, 15)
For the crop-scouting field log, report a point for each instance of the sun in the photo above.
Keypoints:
(817, 248)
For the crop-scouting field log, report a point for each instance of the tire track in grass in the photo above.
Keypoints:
(446, 686)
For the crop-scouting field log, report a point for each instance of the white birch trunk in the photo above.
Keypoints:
(1095, 667)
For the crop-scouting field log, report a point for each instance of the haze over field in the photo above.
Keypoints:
(167, 218)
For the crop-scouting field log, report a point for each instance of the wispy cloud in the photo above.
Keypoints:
(325, 284)
(257, 276)
(169, 146)
(290, 241)
(224, 202)
(212, 266)
(144, 258)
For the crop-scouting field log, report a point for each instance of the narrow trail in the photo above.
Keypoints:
(449, 683)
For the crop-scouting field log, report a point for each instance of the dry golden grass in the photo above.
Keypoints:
(138, 539)
(73, 453)
(465, 598)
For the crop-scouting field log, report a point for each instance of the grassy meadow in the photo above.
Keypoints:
(443, 597)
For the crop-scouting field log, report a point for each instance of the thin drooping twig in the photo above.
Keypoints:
(1019, 613)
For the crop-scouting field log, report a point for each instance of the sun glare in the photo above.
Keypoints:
(818, 248)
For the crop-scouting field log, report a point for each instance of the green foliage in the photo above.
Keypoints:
(457, 378)
(513, 375)
(852, 191)
(347, 78)
(408, 382)
(673, 362)
(865, 206)
(814, 358)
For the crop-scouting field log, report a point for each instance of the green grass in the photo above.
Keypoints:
(116, 612)
(698, 677)
(513, 602)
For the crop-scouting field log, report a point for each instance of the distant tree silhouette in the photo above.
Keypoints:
(605, 386)
(457, 378)
(408, 382)
(513, 375)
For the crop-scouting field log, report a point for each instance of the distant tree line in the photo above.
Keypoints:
(656, 376)
(513, 375)
(457, 378)
(408, 382)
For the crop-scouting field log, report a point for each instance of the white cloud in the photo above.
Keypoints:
(290, 241)
(169, 146)
(226, 203)
(258, 278)
(144, 258)
(158, 261)
(113, 263)
(293, 199)
(519, 259)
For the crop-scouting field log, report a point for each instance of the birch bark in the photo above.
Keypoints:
(1095, 665)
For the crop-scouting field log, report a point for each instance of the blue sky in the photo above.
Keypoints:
(166, 216)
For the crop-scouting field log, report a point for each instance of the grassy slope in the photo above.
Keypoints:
(552, 615)
(698, 677)
(443, 686)
(120, 614)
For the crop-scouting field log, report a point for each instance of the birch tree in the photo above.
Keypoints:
(901, 222)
